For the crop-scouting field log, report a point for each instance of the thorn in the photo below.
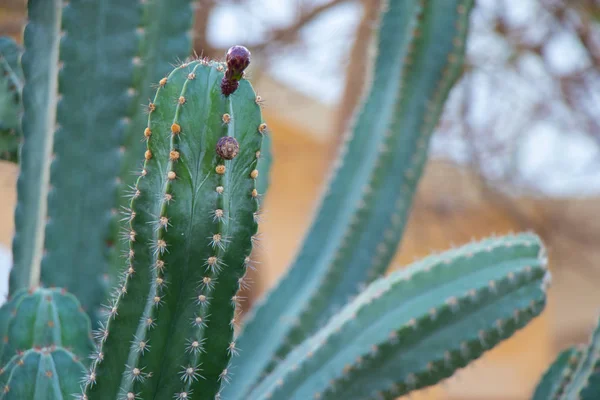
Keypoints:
(199, 322)
(195, 346)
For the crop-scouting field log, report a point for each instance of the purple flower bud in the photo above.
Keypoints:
(238, 59)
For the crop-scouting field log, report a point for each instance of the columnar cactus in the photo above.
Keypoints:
(192, 219)
(189, 221)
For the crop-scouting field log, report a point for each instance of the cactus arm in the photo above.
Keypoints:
(164, 37)
(585, 380)
(40, 69)
(363, 214)
(44, 318)
(41, 374)
(419, 325)
(558, 375)
(87, 143)
(186, 312)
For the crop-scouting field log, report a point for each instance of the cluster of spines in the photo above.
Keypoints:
(414, 329)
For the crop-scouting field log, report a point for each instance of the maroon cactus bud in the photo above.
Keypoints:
(228, 86)
(238, 59)
(228, 147)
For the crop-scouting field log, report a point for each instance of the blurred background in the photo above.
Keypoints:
(518, 148)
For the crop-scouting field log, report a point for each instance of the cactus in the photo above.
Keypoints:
(417, 326)
(558, 375)
(195, 205)
(190, 222)
(81, 245)
(363, 214)
(41, 373)
(11, 84)
(44, 318)
(575, 374)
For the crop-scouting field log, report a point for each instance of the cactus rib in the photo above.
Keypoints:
(40, 69)
(419, 325)
(362, 216)
(192, 221)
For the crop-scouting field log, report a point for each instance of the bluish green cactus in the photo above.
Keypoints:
(41, 373)
(193, 219)
(117, 63)
(418, 325)
(558, 375)
(44, 318)
(190, 222)
(575, 374)
(363, 215)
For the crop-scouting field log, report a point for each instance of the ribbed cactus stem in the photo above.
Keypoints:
(417, 326)
(42, 373)
(43, 318)
(171, 326)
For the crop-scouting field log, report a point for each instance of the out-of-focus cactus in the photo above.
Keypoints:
(83, 115)
(11, 85)
(43, 318)
(575, 374)
(417, 326)
(359, 225)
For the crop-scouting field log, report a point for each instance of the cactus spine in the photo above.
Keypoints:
(192, 220)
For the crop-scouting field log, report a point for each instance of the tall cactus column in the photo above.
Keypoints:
(191, 230)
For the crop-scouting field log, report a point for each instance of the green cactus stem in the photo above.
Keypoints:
(192, 225)
(164, 35)
(362, 217)
(558, 375)
(419, 325)
(46, 373)
(43, 318)
(574, 375)
(40, 69)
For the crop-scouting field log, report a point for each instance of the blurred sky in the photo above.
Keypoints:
(550, 158)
